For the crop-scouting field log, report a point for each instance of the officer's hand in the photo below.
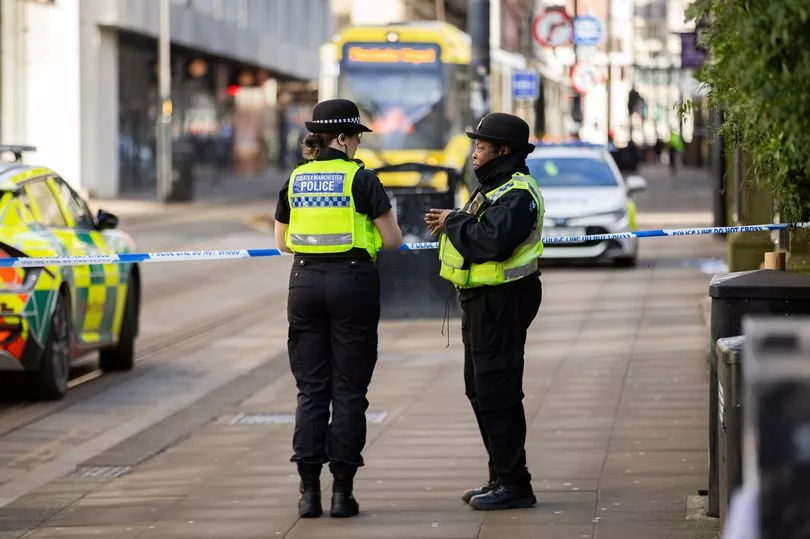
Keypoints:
(434, 219)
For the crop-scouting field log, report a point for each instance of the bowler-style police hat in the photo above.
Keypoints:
(506, 129)
(336, 116)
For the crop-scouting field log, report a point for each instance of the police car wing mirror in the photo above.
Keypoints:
(635, 184)
(106, 220)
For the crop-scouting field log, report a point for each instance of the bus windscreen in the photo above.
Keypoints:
(399, 89)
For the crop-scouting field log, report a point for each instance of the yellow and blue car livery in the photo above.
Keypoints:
(52, 315)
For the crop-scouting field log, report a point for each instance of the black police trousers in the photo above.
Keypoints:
(494, 323)
(333, 311)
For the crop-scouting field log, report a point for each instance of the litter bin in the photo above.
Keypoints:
(734, 295)
(182, 182)
(729, 409)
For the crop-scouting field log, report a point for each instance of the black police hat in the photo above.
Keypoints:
(506, 129)
(336, 116)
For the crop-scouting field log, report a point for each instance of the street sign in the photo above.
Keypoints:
(584, 77)
(554, 28)
(588, 31)
(525, 85)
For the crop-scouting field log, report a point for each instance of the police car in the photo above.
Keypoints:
(584, 194)
(51, 315)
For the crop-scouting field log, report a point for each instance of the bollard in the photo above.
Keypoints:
(776, 425)
(729, 432)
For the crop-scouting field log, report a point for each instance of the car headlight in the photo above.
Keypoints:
(619, 214)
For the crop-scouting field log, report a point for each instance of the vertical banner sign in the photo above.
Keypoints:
(692, 55)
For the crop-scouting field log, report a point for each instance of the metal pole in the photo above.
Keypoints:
(739, 205)
(440, 10)
(576, 112)
(609, 50)
(164, 127)
(478, 28)
(719, 165)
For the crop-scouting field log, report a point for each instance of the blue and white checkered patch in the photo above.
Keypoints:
(504, 188)
(320, 202)
(318, 183)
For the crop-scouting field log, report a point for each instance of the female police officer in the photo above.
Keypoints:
(334, 215)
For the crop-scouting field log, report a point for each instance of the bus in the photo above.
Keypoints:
(411, 82)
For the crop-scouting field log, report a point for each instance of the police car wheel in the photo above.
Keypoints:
(121, 357)
(51, 380)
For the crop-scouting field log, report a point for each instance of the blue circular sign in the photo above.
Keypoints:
(587, 30)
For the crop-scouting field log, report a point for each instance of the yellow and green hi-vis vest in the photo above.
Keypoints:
(322, 214)
(521, 263)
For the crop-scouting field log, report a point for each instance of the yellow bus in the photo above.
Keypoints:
(411, 83)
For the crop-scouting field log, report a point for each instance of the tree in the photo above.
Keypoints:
(758, 73)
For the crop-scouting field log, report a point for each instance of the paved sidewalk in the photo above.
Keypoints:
(616, 401)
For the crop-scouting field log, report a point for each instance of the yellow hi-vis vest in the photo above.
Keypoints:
(523, 261)
(322, 214)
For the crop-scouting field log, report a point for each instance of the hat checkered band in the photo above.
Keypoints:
(338, 121)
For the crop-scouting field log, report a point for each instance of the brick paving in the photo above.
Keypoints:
(616, 401)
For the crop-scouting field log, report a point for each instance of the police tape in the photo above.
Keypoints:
(226, 254)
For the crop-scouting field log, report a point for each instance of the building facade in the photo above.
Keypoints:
(79, 82)
(658, 74)
(612, 59)
(511, 49)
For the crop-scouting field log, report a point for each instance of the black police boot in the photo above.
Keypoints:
(504, 497)
(309, 505)
(490, 485)
(343, 503)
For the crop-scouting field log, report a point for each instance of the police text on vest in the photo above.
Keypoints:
(320, 183)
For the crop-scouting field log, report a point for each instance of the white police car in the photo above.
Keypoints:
(585, 194)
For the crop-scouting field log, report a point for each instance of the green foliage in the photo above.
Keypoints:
(758, 73)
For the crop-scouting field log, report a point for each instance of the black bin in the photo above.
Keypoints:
(729, 409)
(734, 295)
(182, 183)
(410, 286)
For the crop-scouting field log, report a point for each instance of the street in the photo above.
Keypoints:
(195, 441)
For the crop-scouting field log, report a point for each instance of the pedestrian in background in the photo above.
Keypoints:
(490, 251)
(334, 215)
(675, 147)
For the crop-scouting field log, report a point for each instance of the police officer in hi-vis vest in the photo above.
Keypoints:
(489, 250)
(335, 216)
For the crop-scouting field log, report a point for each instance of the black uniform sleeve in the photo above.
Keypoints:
(283, 205)
(504, 226)
(369, 195)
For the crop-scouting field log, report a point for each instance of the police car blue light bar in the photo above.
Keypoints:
(181, 256)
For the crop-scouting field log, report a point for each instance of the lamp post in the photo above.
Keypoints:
(164, 127)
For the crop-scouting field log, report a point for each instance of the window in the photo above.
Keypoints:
(403, 107)
(75, 205)
(571, 172)
(22, 196)
(49, 211)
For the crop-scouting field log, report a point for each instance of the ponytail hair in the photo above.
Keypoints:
(314, 143)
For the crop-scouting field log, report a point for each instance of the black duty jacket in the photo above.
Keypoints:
(504, 225)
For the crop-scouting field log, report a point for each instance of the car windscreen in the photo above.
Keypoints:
(571, 172)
